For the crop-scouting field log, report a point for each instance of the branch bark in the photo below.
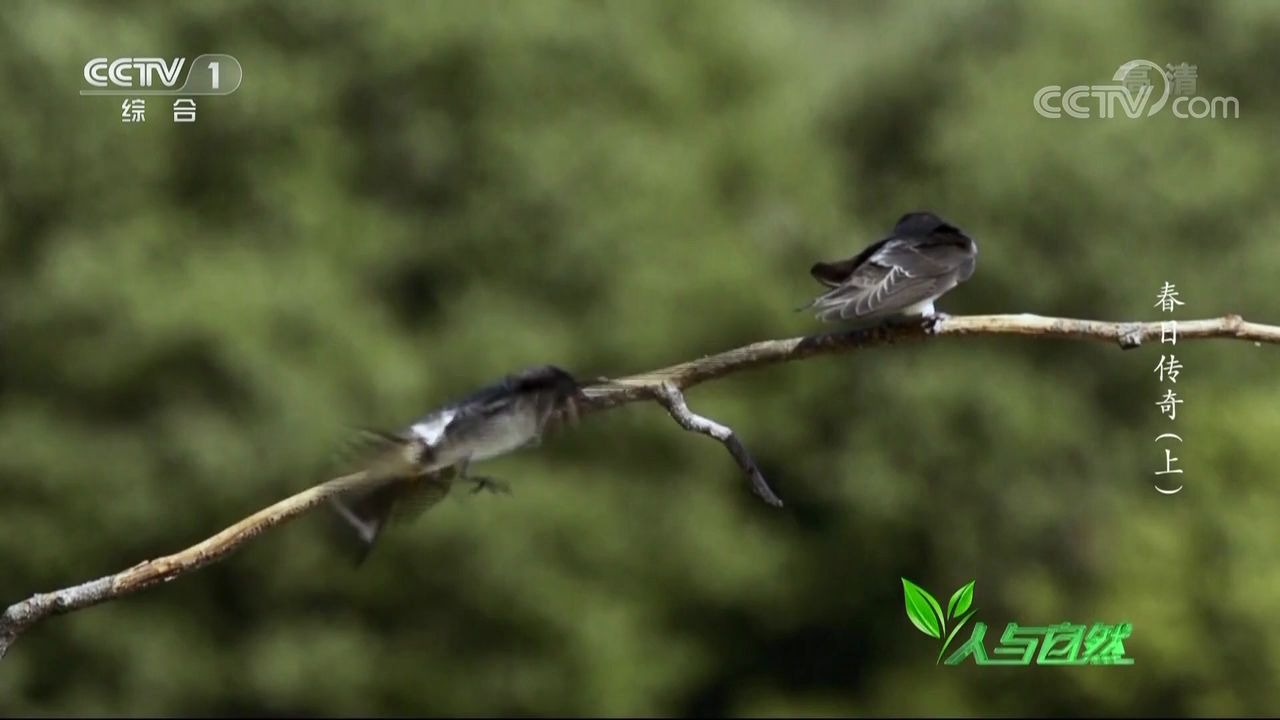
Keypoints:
(673, 400)
(664, 386)
(20, 616)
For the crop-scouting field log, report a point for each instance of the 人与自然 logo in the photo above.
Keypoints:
(1061, 644)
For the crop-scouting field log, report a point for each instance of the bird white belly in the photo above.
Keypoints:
(924, 308)
(506, 433)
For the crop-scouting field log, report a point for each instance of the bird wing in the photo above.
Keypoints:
(834, 274)
(393, 483)
(477, 406)
(369, 512)
(895, 276)
(379, 454)
(919, 260)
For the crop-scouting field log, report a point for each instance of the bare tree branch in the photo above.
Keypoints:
(664, 386)
(1127, 335)
(19, 616)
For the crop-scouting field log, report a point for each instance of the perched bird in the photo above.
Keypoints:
(899, 276)
(417, 467)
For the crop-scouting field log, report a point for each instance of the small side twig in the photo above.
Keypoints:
(673, 400)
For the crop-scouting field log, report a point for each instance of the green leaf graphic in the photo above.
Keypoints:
(951, 636)
(924, 611)
(960, 601)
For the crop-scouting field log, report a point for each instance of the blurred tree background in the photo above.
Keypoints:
(404, 201)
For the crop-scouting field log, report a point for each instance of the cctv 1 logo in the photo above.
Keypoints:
(209, 74)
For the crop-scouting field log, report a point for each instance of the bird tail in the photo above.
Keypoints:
(388, 477)
(368, 511)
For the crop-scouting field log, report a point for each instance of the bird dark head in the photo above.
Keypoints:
(553, 384)
(922, 223)
(549, 380)
(926, 225)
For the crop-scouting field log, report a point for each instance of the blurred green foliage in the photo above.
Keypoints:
(406, 200)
